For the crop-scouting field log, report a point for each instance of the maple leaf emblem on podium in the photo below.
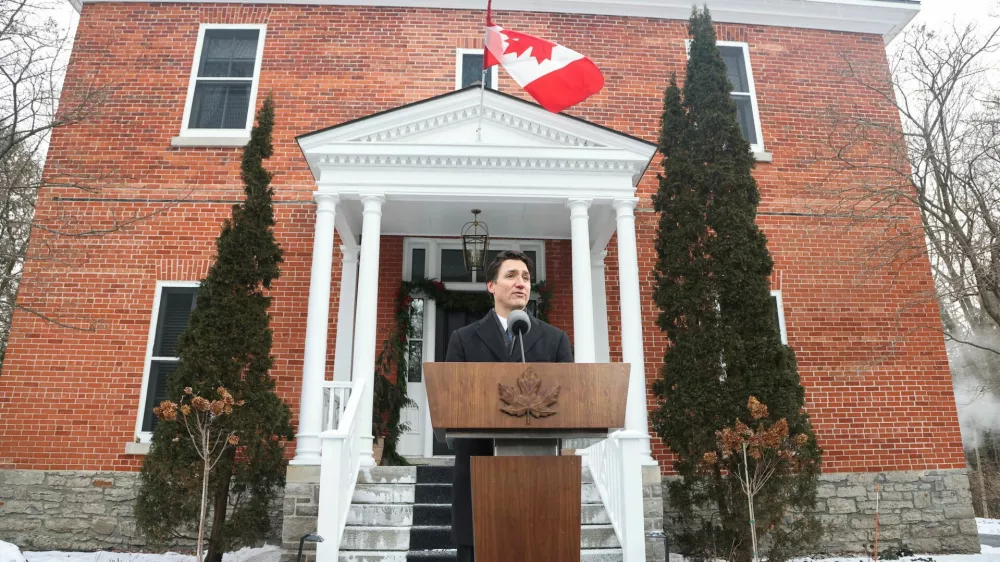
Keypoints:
(529, 399)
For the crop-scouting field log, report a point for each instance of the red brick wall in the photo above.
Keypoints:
(875, 369)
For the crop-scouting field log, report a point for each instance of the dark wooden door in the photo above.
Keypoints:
(447, 322)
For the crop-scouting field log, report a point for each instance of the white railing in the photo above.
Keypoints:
(335, 397)
(616, 465)
(341, 460)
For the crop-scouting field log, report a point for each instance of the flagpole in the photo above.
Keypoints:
(482, 79)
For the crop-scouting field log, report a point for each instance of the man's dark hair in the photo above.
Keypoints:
(493, 270)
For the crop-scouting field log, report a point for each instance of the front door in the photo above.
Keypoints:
(447, 322)
(428, 319)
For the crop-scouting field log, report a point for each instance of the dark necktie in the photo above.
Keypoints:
(510, 341)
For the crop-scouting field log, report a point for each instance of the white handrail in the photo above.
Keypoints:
(338, 476)
(335, 397)
(616, 465)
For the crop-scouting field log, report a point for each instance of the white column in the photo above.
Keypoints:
(602, 351)
(631, 312)
(307, 445)
(366, 320)
(583, 298)
(345, 313)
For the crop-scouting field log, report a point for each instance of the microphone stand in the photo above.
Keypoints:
(520, 338)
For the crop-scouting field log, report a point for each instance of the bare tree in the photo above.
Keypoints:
(942, 160)
(34, 58)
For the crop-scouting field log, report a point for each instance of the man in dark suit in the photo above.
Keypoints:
(486, 341)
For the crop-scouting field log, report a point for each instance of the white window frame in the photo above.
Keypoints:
(757, 148)
(781, 315)
(146, 436)
(220, 137)
(459, 54)
(745, 47)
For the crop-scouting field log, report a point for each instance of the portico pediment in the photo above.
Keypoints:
(440, 147)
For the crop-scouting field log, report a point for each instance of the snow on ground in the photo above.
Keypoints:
(10, 553)
(988, 526)
(266, 554)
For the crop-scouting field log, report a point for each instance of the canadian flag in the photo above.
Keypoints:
(555, 76)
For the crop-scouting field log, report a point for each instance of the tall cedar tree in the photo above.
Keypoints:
(227, 343)
(713, 273)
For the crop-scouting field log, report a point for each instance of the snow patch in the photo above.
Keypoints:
(10, 553)
(269, 553)
(988, 526)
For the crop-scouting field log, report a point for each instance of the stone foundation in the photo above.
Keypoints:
(78, 510)
(929, 512)
(68, 510)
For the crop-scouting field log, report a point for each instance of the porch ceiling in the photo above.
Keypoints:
(505, 219)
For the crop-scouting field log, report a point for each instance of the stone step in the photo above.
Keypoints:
(586, 555)
(400, 538)
(435, 474)
(375, 538)
(430, 514)
(383, 515)
(432, 493)
(404, 515)
(383, 493)
(436, 537)
(388, 475)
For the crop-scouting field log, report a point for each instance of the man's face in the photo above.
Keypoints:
(512, 288)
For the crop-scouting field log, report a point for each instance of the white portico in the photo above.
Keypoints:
(417, 171)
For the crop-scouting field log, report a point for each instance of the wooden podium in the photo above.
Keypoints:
(526, 499)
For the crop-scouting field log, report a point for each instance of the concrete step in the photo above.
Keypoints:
(383, 493)
(400, 538)
(431, 514)
(433, 493)
(405, 515)
(436, 537)
(388, 475)
(435, 474)
(376, 538)
(586, 555)
(382, 515)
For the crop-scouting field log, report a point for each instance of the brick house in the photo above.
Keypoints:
(376, 168)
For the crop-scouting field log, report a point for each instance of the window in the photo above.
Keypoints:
(224, 80)
(778, 315)
(469, 69)
(415, 342)
(737, 59)
(172, 311)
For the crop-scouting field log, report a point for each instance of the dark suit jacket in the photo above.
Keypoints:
(483, 342)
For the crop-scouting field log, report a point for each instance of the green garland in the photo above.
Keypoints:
(391, 398)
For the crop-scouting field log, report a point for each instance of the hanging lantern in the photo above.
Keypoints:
(475, 243)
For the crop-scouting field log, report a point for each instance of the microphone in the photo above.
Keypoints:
(520, 324)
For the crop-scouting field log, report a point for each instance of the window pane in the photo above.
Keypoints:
(176, 304)
(416, 319)
(775, 321)
(744, 113)
(418, 264)
(453, 267)
(229, 52)
(472, 70)
(736, 68)
(414, 361)
(534, 267)
(220, 105)
(156, 390)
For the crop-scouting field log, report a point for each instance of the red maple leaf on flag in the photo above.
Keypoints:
(519, 43)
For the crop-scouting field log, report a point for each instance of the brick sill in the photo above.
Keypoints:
(194, 141)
